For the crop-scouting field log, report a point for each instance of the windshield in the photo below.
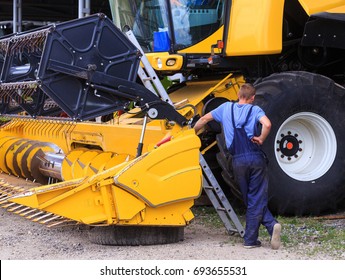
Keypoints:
(167, 25)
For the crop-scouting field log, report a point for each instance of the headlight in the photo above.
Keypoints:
(171, 62)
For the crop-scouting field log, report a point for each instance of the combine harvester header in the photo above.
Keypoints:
(64, 168)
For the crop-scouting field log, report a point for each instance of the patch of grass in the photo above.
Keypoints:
(4, 120)
(208, 216)
(316, 238)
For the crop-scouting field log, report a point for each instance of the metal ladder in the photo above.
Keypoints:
(147, 74)
(219, 200)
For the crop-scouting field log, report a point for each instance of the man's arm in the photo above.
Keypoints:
(202, 121)
(266, 128)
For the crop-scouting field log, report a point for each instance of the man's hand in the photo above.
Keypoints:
(203, 121)
(257, 140)
(266, 128)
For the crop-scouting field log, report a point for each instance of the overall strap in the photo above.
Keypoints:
(233, 119)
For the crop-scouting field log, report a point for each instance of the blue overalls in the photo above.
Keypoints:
(250, 170)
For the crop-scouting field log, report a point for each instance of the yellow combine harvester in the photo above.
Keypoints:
(137, 171)
(294, 53)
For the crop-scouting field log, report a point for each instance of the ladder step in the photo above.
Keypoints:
(219, 200)
(146, 79)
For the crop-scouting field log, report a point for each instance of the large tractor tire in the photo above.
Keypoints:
(135, 235)
(305, 147)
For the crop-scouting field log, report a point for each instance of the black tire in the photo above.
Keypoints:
(135, 235)
(224, 160)
(300, 95)
(208, 107)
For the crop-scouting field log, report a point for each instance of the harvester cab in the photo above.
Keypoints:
(174, 29)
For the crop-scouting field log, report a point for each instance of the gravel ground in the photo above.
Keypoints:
(21, 239)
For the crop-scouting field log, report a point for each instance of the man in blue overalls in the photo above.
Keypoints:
(239, 121)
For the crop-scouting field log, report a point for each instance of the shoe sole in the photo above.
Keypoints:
(275, 240)
(251, 246)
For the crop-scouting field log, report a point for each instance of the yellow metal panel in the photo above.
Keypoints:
(255, 27)
(170, 173)
(175, 214)
(340, 9)
(317, 6)
(126, 205)
(159, 60)
(196, 91)
(112, 137)
(87, 137)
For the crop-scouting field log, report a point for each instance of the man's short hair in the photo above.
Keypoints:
(246, 91)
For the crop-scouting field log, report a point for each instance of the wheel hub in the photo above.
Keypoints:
(305, 146)
(289, 146)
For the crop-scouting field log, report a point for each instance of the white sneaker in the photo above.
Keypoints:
(275, 240)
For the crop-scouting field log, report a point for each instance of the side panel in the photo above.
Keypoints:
(255, 27)
(316, 6)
